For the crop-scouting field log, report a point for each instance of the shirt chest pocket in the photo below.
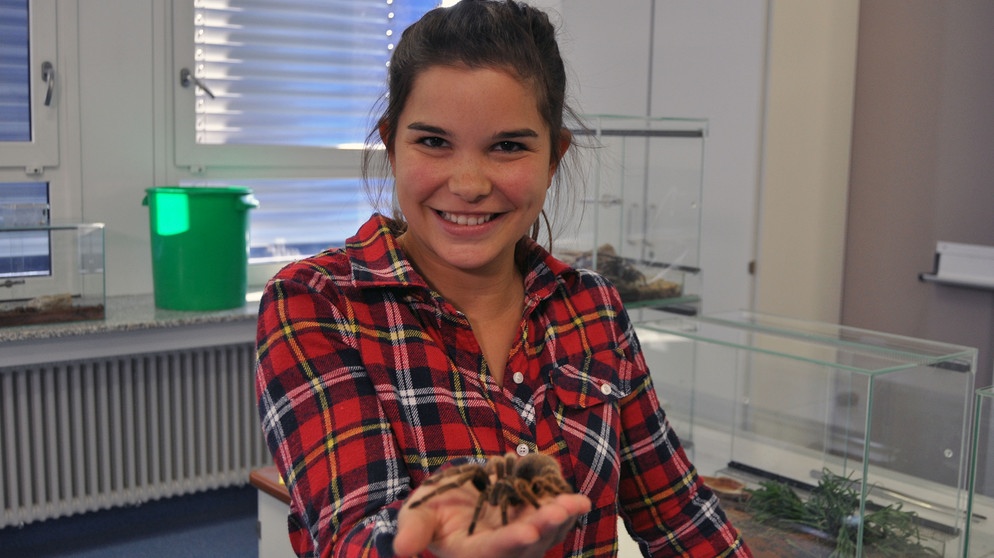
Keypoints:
(588, 395)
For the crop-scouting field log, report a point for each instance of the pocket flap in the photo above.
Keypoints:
(592, 381)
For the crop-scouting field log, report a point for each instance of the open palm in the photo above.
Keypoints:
(441, 525)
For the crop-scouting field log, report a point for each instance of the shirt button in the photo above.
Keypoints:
(606, 389)
(522, 449)
(518, 377)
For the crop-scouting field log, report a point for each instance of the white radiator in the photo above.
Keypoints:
(92, 434)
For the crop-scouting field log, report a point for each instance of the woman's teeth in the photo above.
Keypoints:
(466, 219)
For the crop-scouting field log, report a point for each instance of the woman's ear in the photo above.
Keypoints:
(385, 138)
(565, 141)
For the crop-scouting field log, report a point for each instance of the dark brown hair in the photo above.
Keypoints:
(502, 34)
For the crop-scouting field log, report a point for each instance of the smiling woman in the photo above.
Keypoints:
(444, 335)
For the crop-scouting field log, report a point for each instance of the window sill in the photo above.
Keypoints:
(132, 325)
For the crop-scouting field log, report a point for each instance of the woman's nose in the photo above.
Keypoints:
(469, 180)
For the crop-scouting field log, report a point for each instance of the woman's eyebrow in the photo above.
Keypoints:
(422, 127)
(505, 135)
(511, 134)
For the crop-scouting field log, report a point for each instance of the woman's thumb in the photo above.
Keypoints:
(415, 528)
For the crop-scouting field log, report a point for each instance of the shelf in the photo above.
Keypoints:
(957, 282)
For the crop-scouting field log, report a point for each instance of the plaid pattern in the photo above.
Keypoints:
(368, 381)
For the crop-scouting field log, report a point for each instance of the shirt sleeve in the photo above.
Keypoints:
(664, 503)
(324, 424)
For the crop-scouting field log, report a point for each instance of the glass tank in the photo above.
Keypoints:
(980, 531)
(51, 273)
(640, 220)
(821, 439)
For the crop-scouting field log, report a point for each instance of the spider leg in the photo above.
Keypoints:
(524, 491)
(460, 480)
(441, 488)
(500, 466)
(476, 511)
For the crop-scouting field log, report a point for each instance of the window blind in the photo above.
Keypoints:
(23, 253)
(15, 98)
(300, 217)
(22, 203)
(294, 72)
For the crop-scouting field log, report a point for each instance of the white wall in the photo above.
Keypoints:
(121, 77)
(684, 58)
(806, 166)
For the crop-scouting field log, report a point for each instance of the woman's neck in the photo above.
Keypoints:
(477, 293)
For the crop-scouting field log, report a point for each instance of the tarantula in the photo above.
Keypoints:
(517, 481)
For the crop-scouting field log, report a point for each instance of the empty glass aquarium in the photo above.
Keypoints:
(980, 539)
(640, 220)
(821, 439)
(51, 273)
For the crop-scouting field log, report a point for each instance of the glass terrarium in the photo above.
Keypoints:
(980, 531)
(51, 273)
(640, 221)
(821, 439)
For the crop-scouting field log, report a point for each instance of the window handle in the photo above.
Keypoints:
(186, 77)
(48, 76)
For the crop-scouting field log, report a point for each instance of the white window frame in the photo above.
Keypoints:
(211, 163)
(38, 159)
(199, 159)
(43, 149)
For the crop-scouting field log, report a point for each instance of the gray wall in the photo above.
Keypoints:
(922, 171)
(922, 168)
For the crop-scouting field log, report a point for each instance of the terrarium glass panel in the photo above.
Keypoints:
(981, 528)
(825, 440)
(640, 220)
(51, 273)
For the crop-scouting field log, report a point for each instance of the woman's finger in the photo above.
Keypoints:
(415, 530)
(442, 527)
(558, 515)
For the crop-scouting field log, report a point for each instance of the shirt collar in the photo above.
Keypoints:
(377, 260)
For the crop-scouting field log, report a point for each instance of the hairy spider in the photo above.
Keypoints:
(517, 481)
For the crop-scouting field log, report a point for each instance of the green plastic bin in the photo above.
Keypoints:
(200, 243)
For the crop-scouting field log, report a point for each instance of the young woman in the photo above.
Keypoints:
(445, 335)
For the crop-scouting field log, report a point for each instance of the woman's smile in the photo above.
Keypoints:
(466, 219)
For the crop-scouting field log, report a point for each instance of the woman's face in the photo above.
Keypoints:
(472, 163)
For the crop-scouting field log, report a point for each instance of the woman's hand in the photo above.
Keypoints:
(441, 525)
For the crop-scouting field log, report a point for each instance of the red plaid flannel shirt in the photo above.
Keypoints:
(368, 381)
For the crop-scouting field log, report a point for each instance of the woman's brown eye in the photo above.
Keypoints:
(433, 141)
(510, 146)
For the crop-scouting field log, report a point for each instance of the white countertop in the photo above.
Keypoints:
(129, 313)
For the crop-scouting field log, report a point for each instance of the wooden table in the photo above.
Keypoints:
(274, 505)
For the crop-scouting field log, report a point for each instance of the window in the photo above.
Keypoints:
(23, 253)
(28, 139)
(278, 95)
(28, 107)
(303, 217)
(15, 97)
